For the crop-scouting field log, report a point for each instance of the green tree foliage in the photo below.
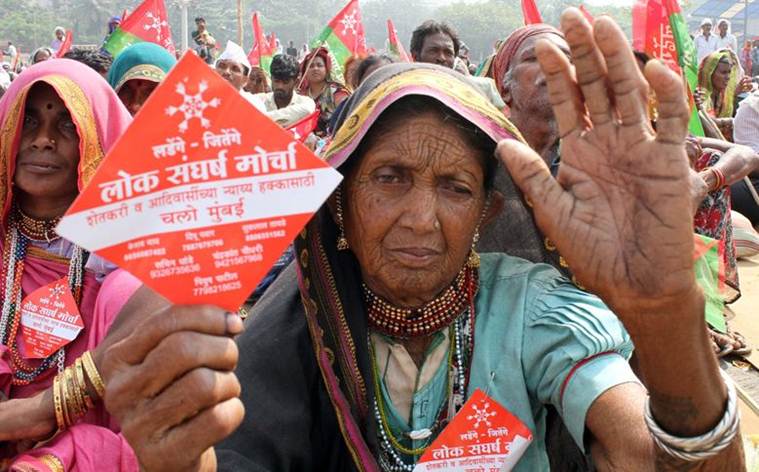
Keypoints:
(30, 23)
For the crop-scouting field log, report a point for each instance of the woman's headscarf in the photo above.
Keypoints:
(319, 52)
(708, 65)
(96, 110)
(146, 61)
(50, 53)
(508, 49)
(330, 280)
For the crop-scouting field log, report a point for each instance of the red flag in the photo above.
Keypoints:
(587, 14)
(639, 19)
(273, 42)
(150, 22)
(348, 29)
(304, 127)
(65, 45)
(531, 13)
(652, 33)
(396, 47)
(261, 53)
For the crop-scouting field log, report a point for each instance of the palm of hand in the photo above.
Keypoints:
(620, 211)
(627, 228)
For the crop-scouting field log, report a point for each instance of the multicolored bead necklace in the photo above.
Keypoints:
(406, 323)
(391, 450)
(14, 253)
(34, 229)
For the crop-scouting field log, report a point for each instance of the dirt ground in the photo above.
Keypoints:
(745, 322)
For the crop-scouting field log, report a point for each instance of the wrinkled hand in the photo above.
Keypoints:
(620, 209)
(171, 387)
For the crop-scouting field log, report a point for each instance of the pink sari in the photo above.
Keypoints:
(93, 443)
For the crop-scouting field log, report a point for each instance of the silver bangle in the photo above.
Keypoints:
(709, 444)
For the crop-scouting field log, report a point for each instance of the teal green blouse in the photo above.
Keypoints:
(538, 341)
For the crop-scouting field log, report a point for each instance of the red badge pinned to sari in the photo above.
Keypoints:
(50, 319)
(483, 436)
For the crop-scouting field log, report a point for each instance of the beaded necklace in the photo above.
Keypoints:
(459, 364)
(14, 253)
(37, 230)
(405, 323)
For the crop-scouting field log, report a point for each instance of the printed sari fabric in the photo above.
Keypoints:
(713, 219)
(100, 118)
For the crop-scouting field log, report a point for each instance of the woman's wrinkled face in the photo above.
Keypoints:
(317, 71)
(721, 76)
(412, 206)
(48, 155)
(135, 92)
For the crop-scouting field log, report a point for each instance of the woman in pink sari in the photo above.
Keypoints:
(57, 121)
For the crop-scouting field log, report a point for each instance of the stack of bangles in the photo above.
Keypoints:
(719, 178)
(71, 397)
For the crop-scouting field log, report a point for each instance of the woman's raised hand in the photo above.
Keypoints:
(620, 209)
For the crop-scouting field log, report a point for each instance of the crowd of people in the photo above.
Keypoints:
(522, 227)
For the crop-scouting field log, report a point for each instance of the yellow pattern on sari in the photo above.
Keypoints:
(453, 88)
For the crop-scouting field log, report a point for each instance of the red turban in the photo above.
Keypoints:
(510, 46)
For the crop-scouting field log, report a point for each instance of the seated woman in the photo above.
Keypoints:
(317, 83)
(719, 85)
(56, 124)
(137, 71)
(366, 348)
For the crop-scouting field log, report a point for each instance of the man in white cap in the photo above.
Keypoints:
(234, 67)
(725, 39)
(706, 42)
(60, 35)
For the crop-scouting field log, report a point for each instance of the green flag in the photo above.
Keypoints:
(686, 57)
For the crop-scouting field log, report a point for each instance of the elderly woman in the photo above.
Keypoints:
(364, 350)
(317, 83)
(56, 124)
(137, 71)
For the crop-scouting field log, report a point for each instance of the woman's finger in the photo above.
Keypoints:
(200, 318)
(196, 391)
(590, 68)
(563, 92)
(530, 173)
(630, 92)
(188, 350)
(672, 123)
(206, 429)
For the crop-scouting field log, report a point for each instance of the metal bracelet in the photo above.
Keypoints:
(707, 445)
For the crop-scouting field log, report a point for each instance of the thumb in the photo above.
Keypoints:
(531, 175)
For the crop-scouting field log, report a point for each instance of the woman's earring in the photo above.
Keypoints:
(474, 258)
(342, 242)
